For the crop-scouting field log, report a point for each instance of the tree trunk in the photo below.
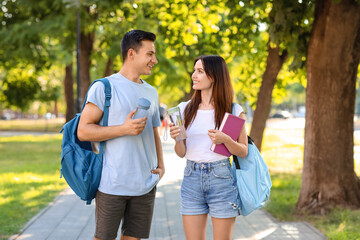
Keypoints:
(86, 46)
(273, 66)
(56, 110)
(328, 178)
(69, 93)
(109, 69)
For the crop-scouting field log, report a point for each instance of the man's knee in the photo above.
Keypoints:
(128, 238)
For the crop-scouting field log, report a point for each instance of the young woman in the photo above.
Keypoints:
(208, 186)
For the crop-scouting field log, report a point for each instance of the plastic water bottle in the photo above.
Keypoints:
(143, 106)
(175, 117)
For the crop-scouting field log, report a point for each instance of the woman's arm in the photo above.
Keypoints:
(239, 147)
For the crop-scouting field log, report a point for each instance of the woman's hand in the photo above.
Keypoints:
(174, 131)
(218, 137)
(180, 147)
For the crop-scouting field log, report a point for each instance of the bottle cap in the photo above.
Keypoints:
(173, 110)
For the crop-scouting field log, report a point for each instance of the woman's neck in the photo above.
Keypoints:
(206, 101)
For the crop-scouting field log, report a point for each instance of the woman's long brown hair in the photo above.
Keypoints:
(222, 94)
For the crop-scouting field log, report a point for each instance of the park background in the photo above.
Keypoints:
(283, 55)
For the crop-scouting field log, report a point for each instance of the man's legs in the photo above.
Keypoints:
(136, 212)
(109, 210)
(128, 238)
(138, 216)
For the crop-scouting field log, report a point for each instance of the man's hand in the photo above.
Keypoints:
(134, 126)
(160, 171)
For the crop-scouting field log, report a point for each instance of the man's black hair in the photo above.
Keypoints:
(132, 39)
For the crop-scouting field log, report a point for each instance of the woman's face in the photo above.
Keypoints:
(200, 80)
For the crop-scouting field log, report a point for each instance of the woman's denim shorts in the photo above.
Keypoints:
(209, 188)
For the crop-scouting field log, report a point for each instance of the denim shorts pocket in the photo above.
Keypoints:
(222, 172)
(187, 171)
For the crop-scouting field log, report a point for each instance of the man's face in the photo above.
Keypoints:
(144, 58)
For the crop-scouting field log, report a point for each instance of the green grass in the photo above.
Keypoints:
(42, 125)
(339, 224)
(29, 178)
(283, 152)
(283, 196)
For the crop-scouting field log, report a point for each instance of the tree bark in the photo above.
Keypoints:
(56, 110)
(86, 46)
(273, 66)
(69, 93)
(109, 69)
(328, 178)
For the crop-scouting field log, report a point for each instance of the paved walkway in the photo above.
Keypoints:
(67, 217)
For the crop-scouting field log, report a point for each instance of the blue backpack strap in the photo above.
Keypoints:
(106, 82)
(236, 161)
(250, 141)
(107, 91)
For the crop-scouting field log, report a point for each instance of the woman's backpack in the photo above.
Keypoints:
(80, 166)
(252, 178)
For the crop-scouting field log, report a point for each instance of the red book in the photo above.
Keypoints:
(231, 125)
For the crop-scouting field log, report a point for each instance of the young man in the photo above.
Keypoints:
(133, 161)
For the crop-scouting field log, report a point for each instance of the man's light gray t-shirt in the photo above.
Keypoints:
(128, 160)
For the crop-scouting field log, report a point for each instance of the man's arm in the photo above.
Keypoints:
(161, 167)
(90, 130)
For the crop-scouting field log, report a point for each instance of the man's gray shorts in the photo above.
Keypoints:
(135, 211)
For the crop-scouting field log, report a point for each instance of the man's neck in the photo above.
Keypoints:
(130, 75)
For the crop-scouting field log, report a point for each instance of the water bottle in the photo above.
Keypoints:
(143, 106)
(176, 119)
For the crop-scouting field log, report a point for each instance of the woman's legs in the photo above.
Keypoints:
(223, 228)
(195, 226)
(209, 188)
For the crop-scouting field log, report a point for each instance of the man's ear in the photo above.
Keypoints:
(131, 53)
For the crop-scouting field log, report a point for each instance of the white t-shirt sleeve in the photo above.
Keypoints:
(238, 109)
(96, 95)
(182, 107)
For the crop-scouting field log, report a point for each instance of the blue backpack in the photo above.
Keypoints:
(80, 166)
(252, 179)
